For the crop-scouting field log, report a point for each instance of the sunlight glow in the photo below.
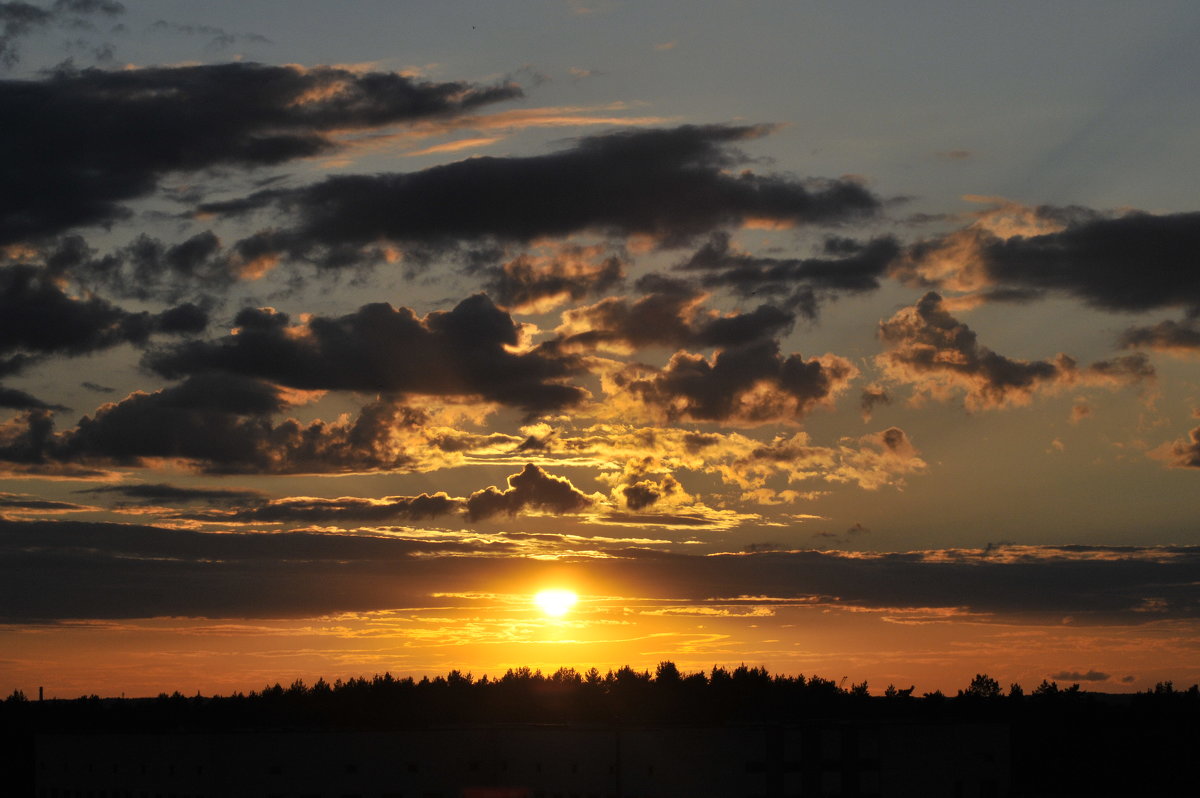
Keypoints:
(555, 603)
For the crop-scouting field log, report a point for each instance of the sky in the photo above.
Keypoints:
(842, 339)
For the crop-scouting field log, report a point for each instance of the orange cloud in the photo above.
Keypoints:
(940, 357)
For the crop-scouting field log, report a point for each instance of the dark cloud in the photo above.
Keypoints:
(12, 501)
(1134, 262)
(122, 571)
(60, 570)
(90, 140)
(213, 418)
(1077, 676)
(38, 317)
(147, 268)
(27, 440)
(91, 386)
(532, 488)
(1167, 336)
(640, 495)
(767, 545)
(753, 384)
(671, 184)
(224, 424)
(18, 20)
(461, 352)
(19, 400)
(641, 519)
(162, 493)
(871, 397)
(528, 283)
(851, 266)
(670, 314)
(344, 510)
(643, 493)
(930, 349)
(228, 424)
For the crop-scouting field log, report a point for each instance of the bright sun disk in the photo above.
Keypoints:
(555, 602)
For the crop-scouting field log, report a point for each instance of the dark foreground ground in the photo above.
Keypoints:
(626, 734)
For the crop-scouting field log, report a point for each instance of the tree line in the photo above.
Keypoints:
(623, 695)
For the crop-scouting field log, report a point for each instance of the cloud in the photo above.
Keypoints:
(227, 424)
(537, 283)
(134, 571)
(137, 125)
(877, 459)
(1077, 676)
(27, 439)
(18, 20)
(534, 489)
(17, 504)
(38, 318)
(670, 314)
(850, 267)
(747, 385)
(343, 510)
(222, 423)
(163, 493)
(464, 352)
(457, 145)
(1181, 453)
(219, 38)
(627, 454)
(647, 482)
(671, 184)
(646, 492)
(872, 396)
(1180, 338)
(147, 268)
(19, 400)
(939, 355)
(1132, 262)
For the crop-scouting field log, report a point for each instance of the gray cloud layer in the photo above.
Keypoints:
(60, 570)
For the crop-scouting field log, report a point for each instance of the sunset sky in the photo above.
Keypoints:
(845, 339)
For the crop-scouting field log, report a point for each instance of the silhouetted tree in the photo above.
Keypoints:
(666, 673)
(982, 686)
(1046, 689)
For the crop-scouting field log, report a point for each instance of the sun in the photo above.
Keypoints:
(555, 603)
